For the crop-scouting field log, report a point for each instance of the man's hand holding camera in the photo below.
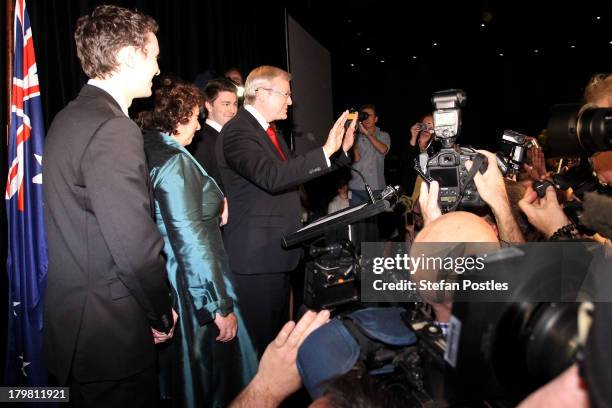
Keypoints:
(492, 190)
(490, 184)
(428, 201)
(371, 135)
(545, 214)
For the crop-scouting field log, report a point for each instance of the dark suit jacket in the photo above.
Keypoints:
(203, 149)
(262, 193)
(106, 284)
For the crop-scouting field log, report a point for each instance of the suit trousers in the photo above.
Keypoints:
(138, 390)
(263, 301)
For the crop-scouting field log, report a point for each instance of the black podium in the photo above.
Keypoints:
(333, 271)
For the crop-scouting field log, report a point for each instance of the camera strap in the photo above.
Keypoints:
(477, 163)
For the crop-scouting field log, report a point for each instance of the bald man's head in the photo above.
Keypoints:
(441, 238)
(457, 226)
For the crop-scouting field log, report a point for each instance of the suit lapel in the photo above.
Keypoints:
(262, 133)
(283, 145)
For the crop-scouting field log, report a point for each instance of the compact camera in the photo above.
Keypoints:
(361, 116)
(447, 165)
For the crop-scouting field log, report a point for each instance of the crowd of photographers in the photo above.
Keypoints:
(585, 383)
(534, 203)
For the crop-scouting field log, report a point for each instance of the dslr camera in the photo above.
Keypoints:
(447, 165)
(574, 130)
(353, 113)
(511, 156)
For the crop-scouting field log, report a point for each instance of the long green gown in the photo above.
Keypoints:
(200, 371)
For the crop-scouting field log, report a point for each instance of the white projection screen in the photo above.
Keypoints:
(310, 66)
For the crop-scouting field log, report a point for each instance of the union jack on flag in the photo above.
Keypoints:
(27, 245)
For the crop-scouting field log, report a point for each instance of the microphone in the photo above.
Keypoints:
(367, 187)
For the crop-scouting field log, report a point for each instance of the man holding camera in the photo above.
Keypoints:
(370, 149)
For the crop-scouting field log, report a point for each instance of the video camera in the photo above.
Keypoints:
(447, 165)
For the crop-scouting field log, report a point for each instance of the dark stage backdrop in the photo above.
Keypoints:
(311, 84)
(194, 36)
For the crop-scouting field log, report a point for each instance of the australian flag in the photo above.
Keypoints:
(27, 245)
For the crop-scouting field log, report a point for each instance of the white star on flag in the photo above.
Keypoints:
(24, 364)
(15, 304)
(37, 179)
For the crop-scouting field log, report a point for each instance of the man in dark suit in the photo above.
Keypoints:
(260, 176)
(221, 103)
(107, 299)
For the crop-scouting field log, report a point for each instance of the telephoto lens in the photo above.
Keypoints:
(574, 130)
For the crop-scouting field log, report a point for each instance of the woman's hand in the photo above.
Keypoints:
(224, 212)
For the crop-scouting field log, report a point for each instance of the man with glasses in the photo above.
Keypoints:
(261, 178)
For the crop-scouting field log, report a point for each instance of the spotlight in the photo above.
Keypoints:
(240, 91)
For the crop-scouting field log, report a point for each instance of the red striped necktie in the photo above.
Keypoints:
(272, 135)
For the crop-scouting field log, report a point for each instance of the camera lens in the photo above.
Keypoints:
(363, 116)
(572, 132)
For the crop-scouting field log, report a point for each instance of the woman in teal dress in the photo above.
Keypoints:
(211, 358)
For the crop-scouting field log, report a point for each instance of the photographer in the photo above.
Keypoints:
(421, 133)
(371, 146)
(456, 226)
(589, 384)
(598, 92)
(277, 376)
(492, 189)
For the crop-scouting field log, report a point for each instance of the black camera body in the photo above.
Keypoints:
(355, 114)
(361, 116)
(511, 156)
(447, 165)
